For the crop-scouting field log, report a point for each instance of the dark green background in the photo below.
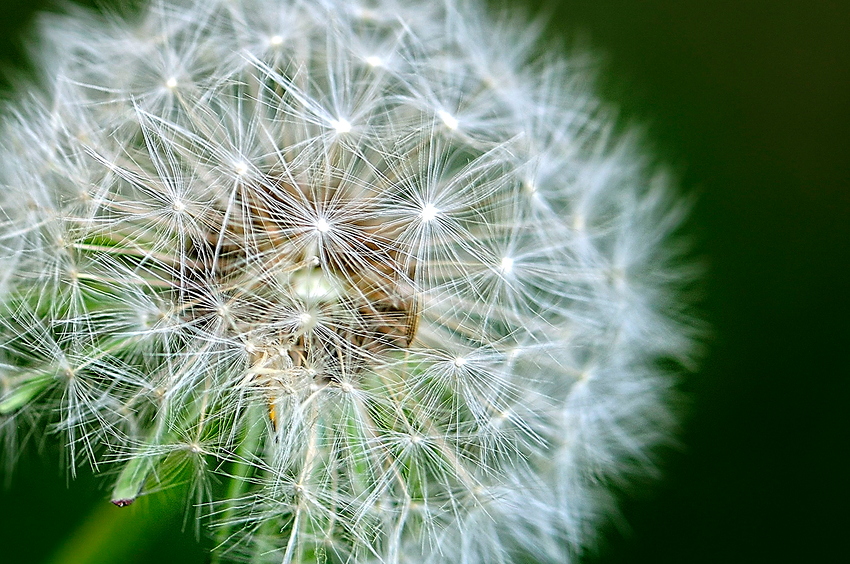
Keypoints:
(750, 102)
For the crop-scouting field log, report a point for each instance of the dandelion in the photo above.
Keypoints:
(383, 269)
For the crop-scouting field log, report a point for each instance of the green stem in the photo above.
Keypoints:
(132, 479)
(240, 472)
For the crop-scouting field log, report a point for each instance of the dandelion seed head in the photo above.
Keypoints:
(426, 335)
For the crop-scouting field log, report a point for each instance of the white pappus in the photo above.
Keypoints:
(385, 269)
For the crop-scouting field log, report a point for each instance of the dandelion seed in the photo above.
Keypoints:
(341, 125)
(322, 225)
(429, 213)
(374, 61)
(578, 222)
(171, 83)
(448, 119)
(276, 40)
(507, 265)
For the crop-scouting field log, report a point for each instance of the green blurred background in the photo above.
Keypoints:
(749, 101)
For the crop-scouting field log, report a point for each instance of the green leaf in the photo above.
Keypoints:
(26, 388)
(132, 479)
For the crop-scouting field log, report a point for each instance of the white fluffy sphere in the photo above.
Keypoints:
(384, 268)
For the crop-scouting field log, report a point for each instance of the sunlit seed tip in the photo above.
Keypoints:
(178, 206)
(618, 278)
(374, 61)
(275, 40)
(171, 83)
(240, 168)
(459, 361)
(305, 318)
(365, 14)
(579, 222)
(448, 119)
(429, 212)
(322, 225)
(341, 125)
(507, 265)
